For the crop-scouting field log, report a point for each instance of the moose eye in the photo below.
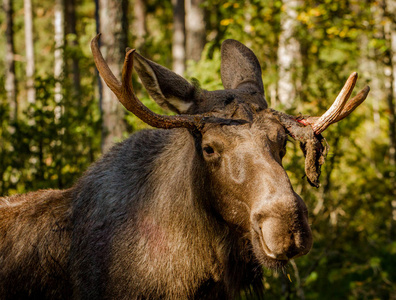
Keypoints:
(212, 150)
(208, 150)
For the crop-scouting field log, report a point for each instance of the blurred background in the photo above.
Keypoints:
(56, 117)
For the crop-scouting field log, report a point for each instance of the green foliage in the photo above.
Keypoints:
(354, 254)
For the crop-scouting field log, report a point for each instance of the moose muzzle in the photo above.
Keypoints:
(280, 228)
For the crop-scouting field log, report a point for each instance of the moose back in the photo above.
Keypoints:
(190, 210)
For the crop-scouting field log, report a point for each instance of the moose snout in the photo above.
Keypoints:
(283, 236)
(281, 242)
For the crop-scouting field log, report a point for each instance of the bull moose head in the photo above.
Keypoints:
(241, 143)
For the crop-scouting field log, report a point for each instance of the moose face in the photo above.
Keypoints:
(251, 189)
(241, 144)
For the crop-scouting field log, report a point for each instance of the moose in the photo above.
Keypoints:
(190, 210)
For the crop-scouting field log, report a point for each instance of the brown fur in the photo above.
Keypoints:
(34, 245)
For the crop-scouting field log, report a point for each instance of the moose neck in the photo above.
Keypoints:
(183, 196)
(160, 212)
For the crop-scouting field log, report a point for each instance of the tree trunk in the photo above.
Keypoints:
(30, 67)
(389, 16)
(139, 24)
(70, 29)
(373, 69)
(248, 28)
(390, 36)
(195, 29)
(113, 44)
(10, 79)
(59, 38)
(58, 53)
(179, 37)
(289, 58)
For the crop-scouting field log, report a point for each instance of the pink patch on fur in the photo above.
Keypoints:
(303, 121)
(154, 235)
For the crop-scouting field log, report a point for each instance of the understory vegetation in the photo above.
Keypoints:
(49, 143)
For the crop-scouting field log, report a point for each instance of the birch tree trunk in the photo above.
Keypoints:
(179, 37)
(373, 69)
(139, 23)
(195, 29)
(113, 44)
(59, 38)
(10, 79)
(289, 57)
(30, 66)
(58, 53)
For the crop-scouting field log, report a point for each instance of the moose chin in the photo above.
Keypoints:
(190, 210)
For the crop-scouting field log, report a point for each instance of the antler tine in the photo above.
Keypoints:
(333, 113)
(103, 68)
(127, 97)
(353, 103)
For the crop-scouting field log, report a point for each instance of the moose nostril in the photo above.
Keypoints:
(278, 241)
(280, 237)
(292, 252)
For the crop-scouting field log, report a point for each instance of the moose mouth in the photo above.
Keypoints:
(265, 256)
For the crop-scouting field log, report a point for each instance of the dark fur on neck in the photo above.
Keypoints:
(158, 220)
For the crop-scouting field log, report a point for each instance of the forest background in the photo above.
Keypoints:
(56, 117)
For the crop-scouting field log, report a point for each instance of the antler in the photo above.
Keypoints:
(340, 108)
(126, 95)
(310, 138)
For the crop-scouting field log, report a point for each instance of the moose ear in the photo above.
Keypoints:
(168, 89)
(240, 67)
(315, 154)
